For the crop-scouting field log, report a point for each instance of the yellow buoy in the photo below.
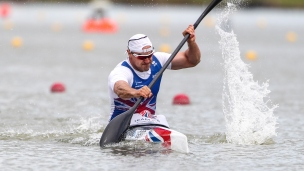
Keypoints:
(251, 55)
(209, 21)
(56, 27)
(8, 25)
(88, 45)
(165, 31)
(17, 42)
(291, 37)
(165, 48)
(261, 23)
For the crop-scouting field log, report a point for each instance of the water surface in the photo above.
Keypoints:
(40, 130)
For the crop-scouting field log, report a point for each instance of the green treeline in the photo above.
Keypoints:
(247, 3)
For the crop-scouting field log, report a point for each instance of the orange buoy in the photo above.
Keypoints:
(17, 42)
(103, 25)
(291, 37)
(251, 55)
(57, 87)
(209, 21)
(165, 31)
(88, 45)
(165, 48)
(4, 10)
(181, 99)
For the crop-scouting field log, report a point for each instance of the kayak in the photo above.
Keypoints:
(145, 127)
(154, 133)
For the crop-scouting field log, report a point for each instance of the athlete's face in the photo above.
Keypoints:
(141, 61)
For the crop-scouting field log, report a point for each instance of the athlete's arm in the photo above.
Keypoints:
(124, 91)
(192, 56)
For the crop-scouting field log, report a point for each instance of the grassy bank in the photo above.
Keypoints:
(248, 3)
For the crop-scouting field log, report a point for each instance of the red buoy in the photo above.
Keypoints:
(57, 88)
(181, 99)
(4, 10)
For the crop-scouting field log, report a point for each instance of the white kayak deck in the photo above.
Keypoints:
(169, 138)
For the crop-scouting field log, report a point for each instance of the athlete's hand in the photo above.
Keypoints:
(144, 92)
(190, 30)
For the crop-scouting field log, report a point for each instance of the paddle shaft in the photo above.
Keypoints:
(181, 44)
(116, 128)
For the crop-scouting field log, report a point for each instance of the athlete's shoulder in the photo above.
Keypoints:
(120, 73)
(162, 57)
(122, 65)
(120, 69)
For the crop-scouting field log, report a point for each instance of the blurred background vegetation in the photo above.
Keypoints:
(246, 3)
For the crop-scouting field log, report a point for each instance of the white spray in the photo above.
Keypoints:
(249, 120)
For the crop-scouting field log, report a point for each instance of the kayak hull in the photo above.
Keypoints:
(169, 138)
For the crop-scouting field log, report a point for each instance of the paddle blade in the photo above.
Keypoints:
(116, 128)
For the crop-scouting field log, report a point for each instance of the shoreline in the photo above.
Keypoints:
(291, 4)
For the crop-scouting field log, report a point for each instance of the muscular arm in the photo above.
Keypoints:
(124, 91)
(189, 58)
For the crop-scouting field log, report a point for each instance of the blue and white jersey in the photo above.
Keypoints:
(124, 71)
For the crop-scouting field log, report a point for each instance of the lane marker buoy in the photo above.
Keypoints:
(181, 99)
(5, 10)
(251, 55)
(17, 42)
(291, 37)
(57, 87)
(209, 21)
(56, 27)
(88, 45)
(261, 23)
(165, 48)
(8, 25)
(164, 31)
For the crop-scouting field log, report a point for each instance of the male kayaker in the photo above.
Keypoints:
(129, 80)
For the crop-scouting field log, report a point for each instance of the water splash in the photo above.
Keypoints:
(90, 131)
(249, 120)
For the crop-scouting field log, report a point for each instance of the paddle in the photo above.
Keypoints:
(116, 128)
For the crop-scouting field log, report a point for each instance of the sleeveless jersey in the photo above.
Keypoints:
(149, 104)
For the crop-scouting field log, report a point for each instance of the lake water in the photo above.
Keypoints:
(40, 130)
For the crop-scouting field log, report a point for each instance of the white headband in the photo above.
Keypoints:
(137, 42)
